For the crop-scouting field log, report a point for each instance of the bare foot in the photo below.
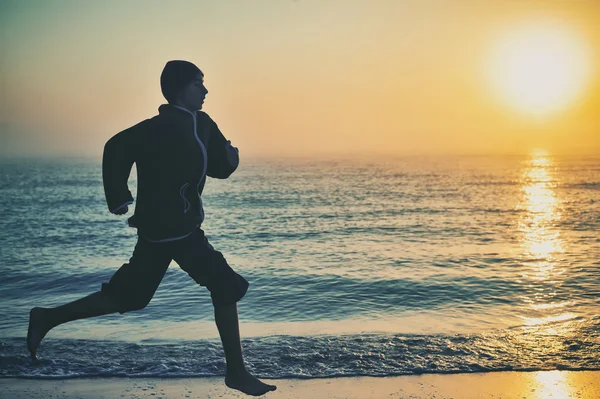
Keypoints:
(38, 328)
(247, 383)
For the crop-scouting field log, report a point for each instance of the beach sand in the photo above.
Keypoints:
(505, 385)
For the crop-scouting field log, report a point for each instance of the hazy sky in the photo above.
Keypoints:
(306, 77)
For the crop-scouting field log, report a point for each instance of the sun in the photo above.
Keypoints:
(539, 68)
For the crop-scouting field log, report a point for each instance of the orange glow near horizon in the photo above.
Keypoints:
(310, 78)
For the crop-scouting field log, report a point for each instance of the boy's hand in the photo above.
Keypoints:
(233, 154)
(122, 211)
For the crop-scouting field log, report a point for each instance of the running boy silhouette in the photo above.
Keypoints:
(173, 152)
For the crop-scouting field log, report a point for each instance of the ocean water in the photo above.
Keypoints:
(374, 266)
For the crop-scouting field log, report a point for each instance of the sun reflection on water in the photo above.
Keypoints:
(541, 243)
(541, 204)
(546, 318)
(552, 384)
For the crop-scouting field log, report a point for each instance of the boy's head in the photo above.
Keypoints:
(182, 84)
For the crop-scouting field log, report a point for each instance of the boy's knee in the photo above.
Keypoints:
(229, 294)
(130, 305)
(123, 302)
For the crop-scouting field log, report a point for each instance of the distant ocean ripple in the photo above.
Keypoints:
(357, 267)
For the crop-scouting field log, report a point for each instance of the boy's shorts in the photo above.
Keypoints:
(135, 283)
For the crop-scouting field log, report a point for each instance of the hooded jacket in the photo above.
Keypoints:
(173, 152)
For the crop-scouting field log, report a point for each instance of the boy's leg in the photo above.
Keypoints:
(130, 288)
(209, 268)
(226, 318)
(42, 320)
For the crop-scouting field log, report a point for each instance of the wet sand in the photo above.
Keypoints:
(505, 385)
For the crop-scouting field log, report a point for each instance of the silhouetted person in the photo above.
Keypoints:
(173, 152)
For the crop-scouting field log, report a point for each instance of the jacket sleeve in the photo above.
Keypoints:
(223, 158)
(117, 162)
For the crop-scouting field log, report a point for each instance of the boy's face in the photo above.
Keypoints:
(192, 96)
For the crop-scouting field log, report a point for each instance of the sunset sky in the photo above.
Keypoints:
(308, 77)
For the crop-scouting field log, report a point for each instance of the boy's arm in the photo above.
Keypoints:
(117, 162)
(223, 158)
